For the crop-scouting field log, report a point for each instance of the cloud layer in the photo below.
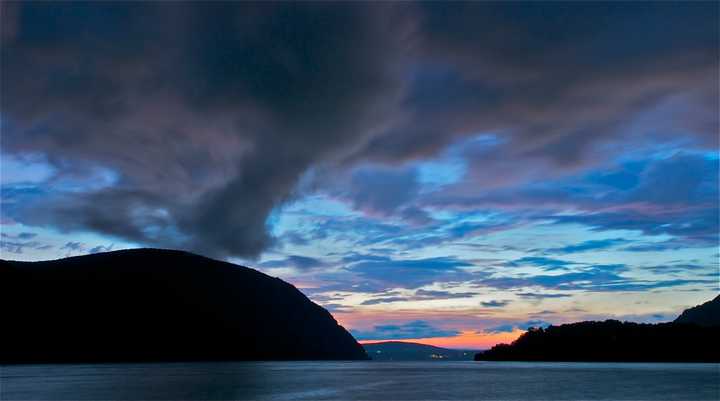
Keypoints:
(204, 117)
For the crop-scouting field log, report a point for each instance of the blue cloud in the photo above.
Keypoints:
(296, 261)
(545, 263)
(101, 248)
(681, 268)
(494, 304)
(624, 178)
(672, 244)
(385, 300)
(675, 196)
(14, 244)
(412, 273)
(434, 294)
(414, 329)
(420, 295)
(588, 246)
(536, 295)
(337, 308)
(599, 278)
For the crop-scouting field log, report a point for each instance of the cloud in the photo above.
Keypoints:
(539, 261)
(296, 261)
(588, 246)
(698, 241)
(379, 191)
(207, 114)
(385, 300)
(101, 248)
(434, 294)
(559, 95)
(18, 243)
(680, 268)
(20, 236)
(414, 329)
(420, 295)
(337, 308)
(204, 118)
(494, 304)
(594, 278)
(671, 195)
(534, 295)
(73, 246)
(411, 273)
(675, 196)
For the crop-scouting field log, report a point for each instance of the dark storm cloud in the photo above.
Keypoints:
(379, 191)
(208, 114)
(557, 79)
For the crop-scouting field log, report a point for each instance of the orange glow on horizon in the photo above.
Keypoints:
(470, 340)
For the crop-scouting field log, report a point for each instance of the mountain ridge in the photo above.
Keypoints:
(615, 341)
(413, 351)
(154, 304)
(706, 314)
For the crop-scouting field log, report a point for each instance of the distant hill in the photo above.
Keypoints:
(611, 340)
(149, 304)
(707, 314)
(409, 351)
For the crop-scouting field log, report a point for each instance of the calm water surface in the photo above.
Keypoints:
(362, 381)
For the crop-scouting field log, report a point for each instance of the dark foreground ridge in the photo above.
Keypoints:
(685, 340)
(707, 314)
(159, 305)
(409, 351)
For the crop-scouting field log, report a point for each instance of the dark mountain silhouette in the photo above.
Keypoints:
(707, 314)
(150, 304)
(409, 351)
(612, 340)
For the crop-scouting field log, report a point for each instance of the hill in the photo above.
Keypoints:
(152, 305)
(408, 351)
(612, 340)
(707, 314)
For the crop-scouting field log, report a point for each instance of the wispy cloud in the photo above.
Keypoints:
(414, 329)
(494, 304)
(419, 295)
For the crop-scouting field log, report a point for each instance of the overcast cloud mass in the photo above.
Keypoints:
(439, 170)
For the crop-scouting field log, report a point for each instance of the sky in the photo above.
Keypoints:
(450, 173)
